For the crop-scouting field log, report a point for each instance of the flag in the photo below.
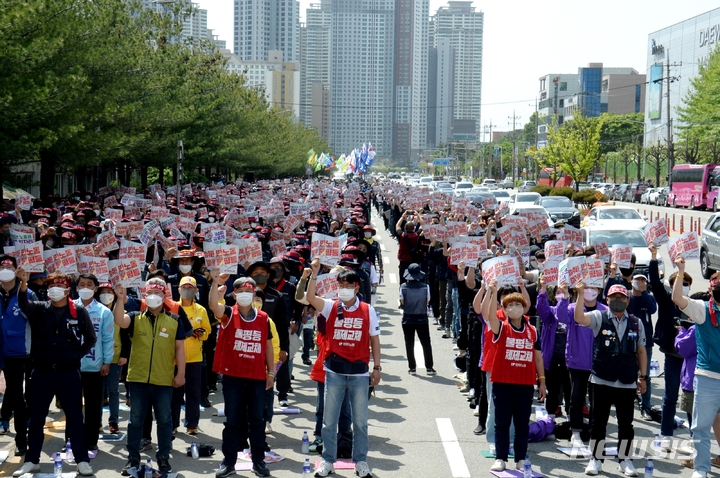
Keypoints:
(311, 157)
(329, 162)
(371, 155)
(362, 165)
(319, 163)
(353, 160)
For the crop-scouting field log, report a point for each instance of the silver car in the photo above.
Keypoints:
(710, 246)
(631, 237)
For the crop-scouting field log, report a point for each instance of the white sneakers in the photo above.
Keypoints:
(27, 467)
(576, 441)
(594, 467)
(699, 474)
(362, 470)
(324, 469)
(499, 465)
(84, 469)
(626, 468)
(520, 465)
(268, 428)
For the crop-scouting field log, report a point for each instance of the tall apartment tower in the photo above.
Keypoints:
(315, 68)
(441, 71)
(361, 73)
(264, 25)
(411, 79)
(194, 24)
(459, 23)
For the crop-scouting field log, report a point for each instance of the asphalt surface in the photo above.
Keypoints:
(420, 426)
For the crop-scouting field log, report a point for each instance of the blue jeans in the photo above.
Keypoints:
(672, 369)
(490, 423)
(456, 312)
(344, 421)
(706, 405)
(143, 396)
(244, 405)
(645, 397)
(112, 382)
(337, 387)
(307, 343)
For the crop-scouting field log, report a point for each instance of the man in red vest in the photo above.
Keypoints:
(244, 357)
(352, 331)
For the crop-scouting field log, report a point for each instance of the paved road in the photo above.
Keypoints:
(419, 426)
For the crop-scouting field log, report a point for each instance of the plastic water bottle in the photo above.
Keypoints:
(58, 466)
(69, 457)
(649, 468)
(307, 469)
(194, 451)
(305, 443)
(657, 443)
(527, 468)
(654, 367)
(148, 469)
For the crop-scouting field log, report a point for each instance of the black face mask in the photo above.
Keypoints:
(627, 272)
(716, 296)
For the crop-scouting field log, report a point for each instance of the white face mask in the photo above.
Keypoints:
(6, 275)
(590, 294)
(686, 291)
(368, 235)
(244, 298)
(346, 295)
(559, 296)
(86, 294)
(185, 268)
(107, 299)
(153, 301)
(211, 219)
(636, 284)
(56, 293)
(514, 311)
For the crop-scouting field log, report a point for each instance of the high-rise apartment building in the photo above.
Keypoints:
(411, 78)
(194, 22)
(264, 25)
(459, 23)
(441, 71)
(361, 75)
(315, 67)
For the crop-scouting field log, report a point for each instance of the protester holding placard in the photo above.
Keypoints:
(408, 244)
(181, 264)
(62, 334)
(643, 305)
(620, 275)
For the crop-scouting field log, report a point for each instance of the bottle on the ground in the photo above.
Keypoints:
(58, 465)
(649, 468)
(527, 468)
(307, 469)
(148, 468)
(194, 451)
(69, 457)
(305, 443)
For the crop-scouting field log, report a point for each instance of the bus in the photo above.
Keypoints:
(562, 179)
(695, 186)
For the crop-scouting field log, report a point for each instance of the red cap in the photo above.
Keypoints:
(617, 289)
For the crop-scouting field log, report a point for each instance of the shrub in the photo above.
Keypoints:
(542, 190)
(564, 191)
(477, 181)
(586, 198)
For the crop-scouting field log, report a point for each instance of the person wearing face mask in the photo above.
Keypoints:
(92, 229)
(96, 364)
(16, 354)
(643, 305)
(351, 329)
(518, 365)
(618, 360)
(36, 283)
(578, 352)
(198, 317)
(374, 255)
(181, 264)
(669, 317)
(415, 297)
(245, 359)
(157, 345)
(62, 334)
(620, 275)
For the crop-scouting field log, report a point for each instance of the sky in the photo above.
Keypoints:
(526, 39)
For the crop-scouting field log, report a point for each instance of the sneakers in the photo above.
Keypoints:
(645, 415)
(27, 467)
(4, 427)
(145, 444)
(699, 474)
(317, 443)
(224, 471)
(412, 371)
(113, 428)
(325, 469)
(576, 441)
(431, 371)
(520, 465)
(594, 467)
(130, 464)
(84, 469)
(283, 403)
(665, 444)
(476, 413)
(479, 430)
(192, 431)
(626, 468)
(268, 428)
(465, 388)
(260, 469)
(164, 465)
(492, 448)
(307, 362)
(362, 470)
(499, 465)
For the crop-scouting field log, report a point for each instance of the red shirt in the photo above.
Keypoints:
(241, 346)
(350, 337)
(406, 243)
(489, 345)
(515, 355)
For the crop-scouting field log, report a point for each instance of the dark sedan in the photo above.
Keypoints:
(560, 208)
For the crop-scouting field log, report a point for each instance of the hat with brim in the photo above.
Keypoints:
(414, 272)
(348, 259)
(263, 265)
(617, 289)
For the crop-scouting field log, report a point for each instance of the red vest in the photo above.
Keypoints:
(350, 337)
(488, 351)
(515, 355)
(241, 347)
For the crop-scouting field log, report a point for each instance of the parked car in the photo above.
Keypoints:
(528, 198)
(560, 208)
(462, 188)
(612, 235)
(490, 183)
(526, 186)
(502, 196)
(710, 247)
(662, 197)
(506, 184)
(635, 191)
(619, 193)
(645, 197)
(615, 216)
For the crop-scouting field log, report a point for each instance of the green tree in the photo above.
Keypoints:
(700, 115)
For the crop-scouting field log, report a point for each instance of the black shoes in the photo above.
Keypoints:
(164, 465)
(479, 430)
(130, 464)
(260, 469)
(224, 471)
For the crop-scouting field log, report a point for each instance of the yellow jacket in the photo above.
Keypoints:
(275, 341)
(198, 317)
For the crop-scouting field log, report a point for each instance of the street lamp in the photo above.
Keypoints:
(180, 155)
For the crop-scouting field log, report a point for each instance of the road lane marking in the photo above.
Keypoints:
(454, 453)
(378, 237)
(386, 260)
(392, 278)
(382, 246)
(419, 357)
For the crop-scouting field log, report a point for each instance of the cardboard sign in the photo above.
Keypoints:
(106, 242)
(125, 272)
(504, 269)
(685, 246)
(249, 250)
(299, 208)
(94, 265)
(29, 256)
(554, 253)
(215, 236)
(514, 235)
(132, 250)
(582, 269)
(22, 235)
(113, 214)
(572, 234)
(291, 223)
(149, 231)
(223, 257)
(550, 275)
(603, 252)
(83, 250)
(465, 252)
(110, 201)
(61, 260)
(23, 201)
(128, 200)
(657, 232)
(622, 255)
(158, 213)
(326, 248)
(327, 286)
(277, 248)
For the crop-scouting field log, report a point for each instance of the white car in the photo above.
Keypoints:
(426, 181)
(612, 235)
(615, 216)
(530, 207)
(490, 183)
(649, 196)
(528, 198)
(462, 187)
(502, 196)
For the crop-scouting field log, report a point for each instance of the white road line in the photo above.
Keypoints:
(454, 453)
(382, 246)
(378, 237)
(386, 260)
(419, 357)
(392, 278)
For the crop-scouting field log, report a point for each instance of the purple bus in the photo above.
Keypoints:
(695, 186)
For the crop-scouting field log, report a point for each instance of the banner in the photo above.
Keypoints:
(106, 242)
(622, 255)
(554, 253)
(94, 265)
(657, 232)
(504, 269)
(22, 235)
(326, 248)
(223, 257)
(685, 246)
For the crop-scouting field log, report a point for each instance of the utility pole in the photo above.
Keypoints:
(492, 155)
(180, 175)
(671, 146)
(537, 119)
(514, 151)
